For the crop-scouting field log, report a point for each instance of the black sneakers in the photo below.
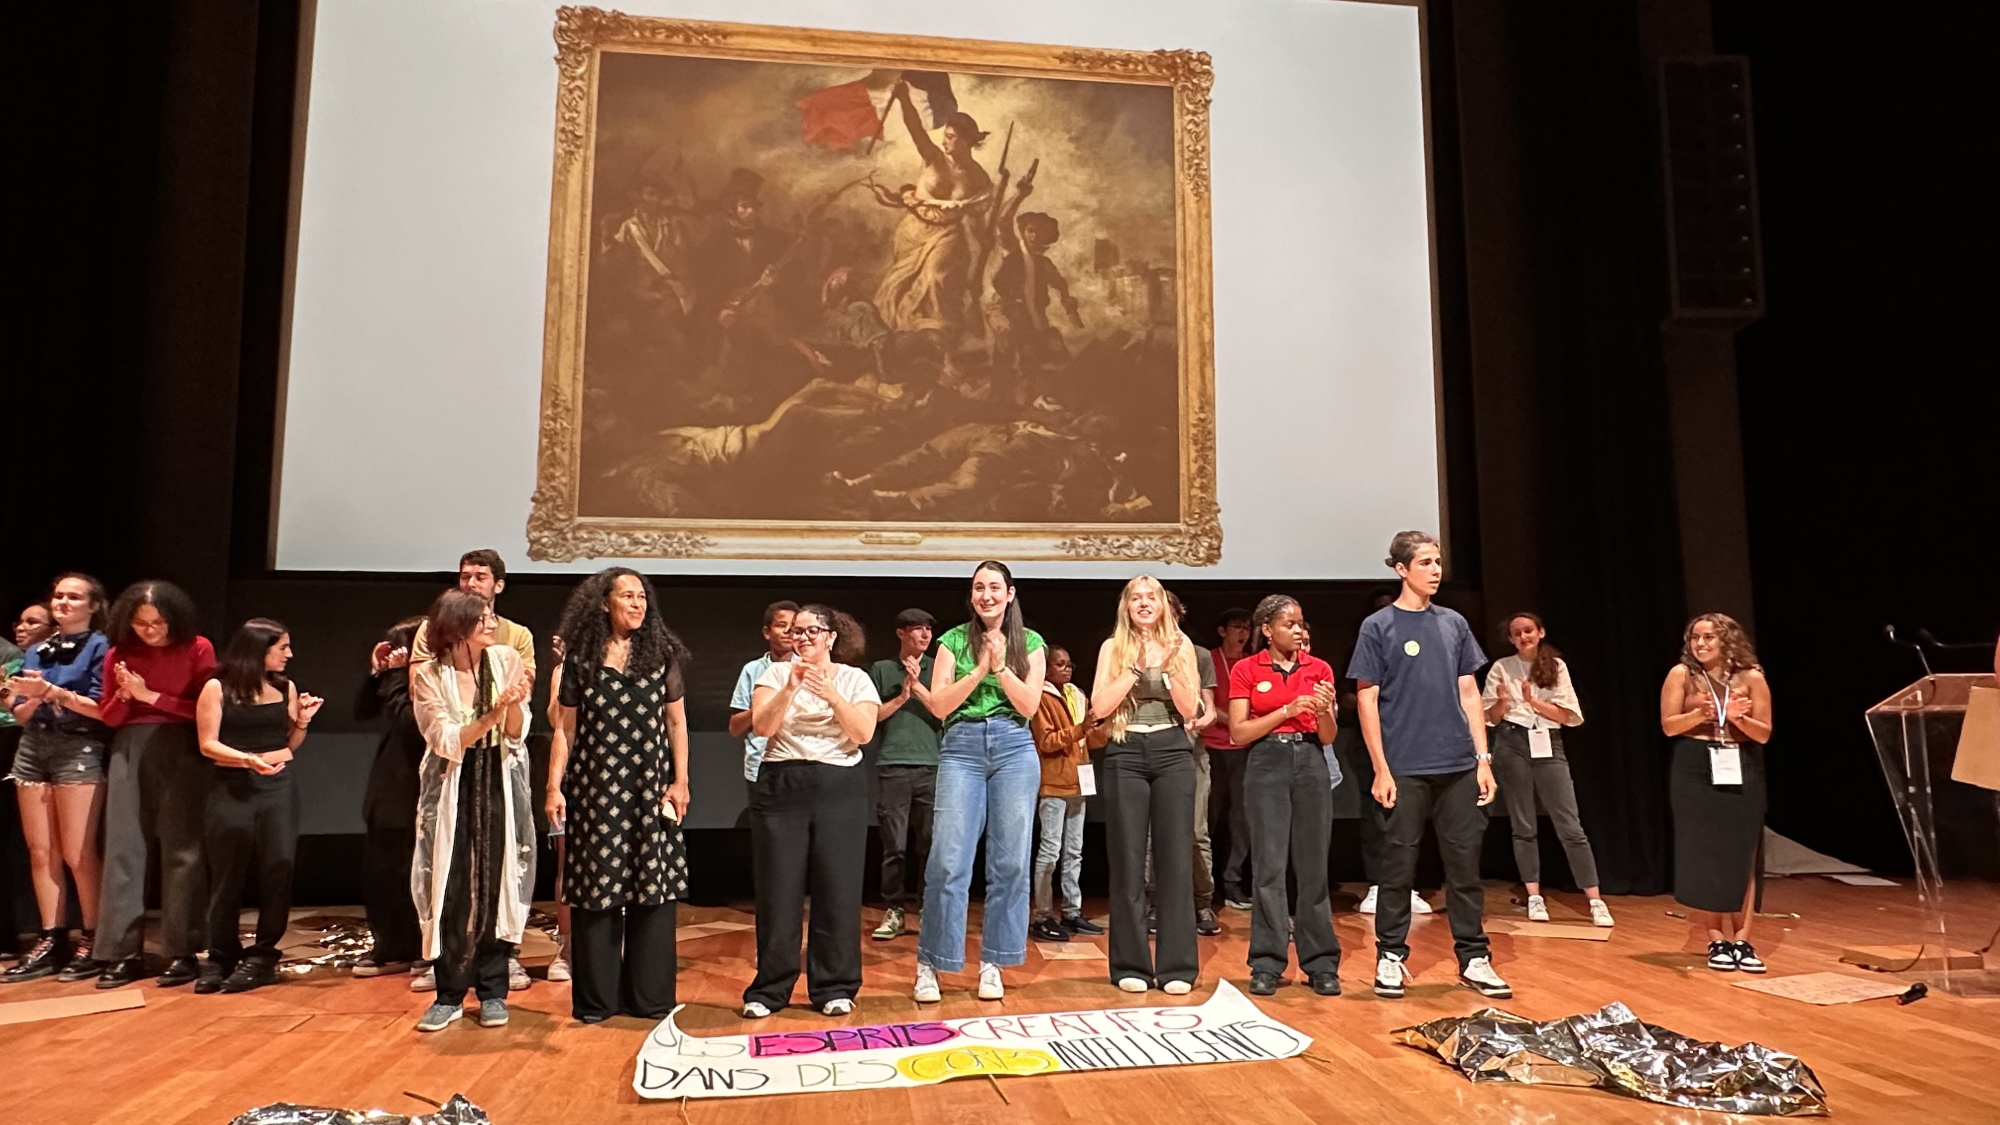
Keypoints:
(1722, 956)
(1263, 983)
(1326, 984)
(122, 972)
(1046, 930)
(1746, 958)
(1205, 923)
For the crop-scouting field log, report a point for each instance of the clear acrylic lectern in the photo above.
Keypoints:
(1953, 829)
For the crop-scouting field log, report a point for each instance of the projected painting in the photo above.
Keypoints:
(831, 295)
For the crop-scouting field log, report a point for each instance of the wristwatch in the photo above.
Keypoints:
(1482, 757)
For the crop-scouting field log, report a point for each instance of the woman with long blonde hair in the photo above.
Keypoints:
(1147, 688)
(1716, 706)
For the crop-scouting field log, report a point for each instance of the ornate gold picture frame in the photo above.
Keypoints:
(834, 295)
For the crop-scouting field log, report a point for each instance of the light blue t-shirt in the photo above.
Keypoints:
(739, 700)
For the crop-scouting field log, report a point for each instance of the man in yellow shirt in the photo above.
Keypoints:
(483, 573)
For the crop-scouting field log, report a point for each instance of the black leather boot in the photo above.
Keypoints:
(43, 960)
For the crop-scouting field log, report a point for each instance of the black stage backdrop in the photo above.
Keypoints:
(147, 281)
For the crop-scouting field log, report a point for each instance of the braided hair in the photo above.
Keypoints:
(1266, 612)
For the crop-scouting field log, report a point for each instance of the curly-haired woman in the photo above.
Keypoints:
(1716, 706)
(618, 784)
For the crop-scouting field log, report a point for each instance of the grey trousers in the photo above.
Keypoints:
(156, 789)
(1528, 782)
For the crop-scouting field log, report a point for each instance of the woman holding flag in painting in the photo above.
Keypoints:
(928, 283)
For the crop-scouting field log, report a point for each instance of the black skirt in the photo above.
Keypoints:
(1717, 828)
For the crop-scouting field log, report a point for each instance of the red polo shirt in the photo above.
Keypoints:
(1269, 689)
(1216, 737)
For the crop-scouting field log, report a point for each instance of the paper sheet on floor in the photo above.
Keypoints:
(88, 1004)
(1226, 1028)
(1824, 988)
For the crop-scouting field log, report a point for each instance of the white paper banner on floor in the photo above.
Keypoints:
(1227, 1028)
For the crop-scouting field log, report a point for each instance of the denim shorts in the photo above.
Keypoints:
(54, 757)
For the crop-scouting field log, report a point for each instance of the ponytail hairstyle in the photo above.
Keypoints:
(1012, 628)
(849, 641)
(1266, 612)
(241, 669)
(1543, 672)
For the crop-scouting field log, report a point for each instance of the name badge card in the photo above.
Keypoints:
(1725, 765)
(1540, 745)
(1086, 779)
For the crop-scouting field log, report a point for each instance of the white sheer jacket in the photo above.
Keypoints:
(442, 716)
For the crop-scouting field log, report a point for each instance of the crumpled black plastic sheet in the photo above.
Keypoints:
(1613, 1049)
(457, 1111)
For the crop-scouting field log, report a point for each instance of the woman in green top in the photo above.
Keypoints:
(987, 681)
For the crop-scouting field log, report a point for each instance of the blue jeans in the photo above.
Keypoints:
(988, 776)
(1062, 839)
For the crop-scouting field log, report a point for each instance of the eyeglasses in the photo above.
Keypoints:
(489, 618)
(806, 632)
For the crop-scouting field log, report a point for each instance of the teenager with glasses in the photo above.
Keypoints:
(985, 686)
(58, 774)
(618, 787)
(809, 814)
(157, 782)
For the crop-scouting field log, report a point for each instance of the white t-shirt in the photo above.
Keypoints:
(1514, 670)
(809, 732)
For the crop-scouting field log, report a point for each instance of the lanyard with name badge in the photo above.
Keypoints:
(1725, 758)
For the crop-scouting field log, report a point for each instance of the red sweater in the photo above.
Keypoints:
(177, 672)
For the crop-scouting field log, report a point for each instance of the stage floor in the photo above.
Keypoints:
(329, 1039)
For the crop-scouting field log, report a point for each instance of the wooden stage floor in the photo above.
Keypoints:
(328, 1039)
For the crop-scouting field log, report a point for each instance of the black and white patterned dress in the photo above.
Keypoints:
(622, 849)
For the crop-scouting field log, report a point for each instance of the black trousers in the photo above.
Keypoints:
(809, 836)
(904, 799)
(1452, 801)
(1149, 787)
(1226, 806)
(622, 962)
(386, 854)
(1373, 825)
(252, 823)
(155, 802)
(1291, 813)
(17, 900)
(484, 972)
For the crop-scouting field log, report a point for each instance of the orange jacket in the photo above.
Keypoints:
(1063, 743)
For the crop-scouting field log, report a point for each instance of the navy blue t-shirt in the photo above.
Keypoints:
(1416, 658)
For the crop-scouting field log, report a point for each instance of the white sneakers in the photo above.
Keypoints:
(1417, 903)
(1478, 975)
(559, 968)
(1538, 910)
(517, 977)
(1177, 988)
(1390, 972)
(990, 987)
(926, 991)
(423, 977)
(1131, 984)
(755, 1011)
(838, 1007)
(1600, 914)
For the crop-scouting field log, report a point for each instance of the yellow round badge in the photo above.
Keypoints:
(1412, 647)
(1263, 685)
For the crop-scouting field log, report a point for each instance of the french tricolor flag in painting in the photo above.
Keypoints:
(841, 116)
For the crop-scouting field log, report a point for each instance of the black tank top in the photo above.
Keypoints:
(256, 728)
